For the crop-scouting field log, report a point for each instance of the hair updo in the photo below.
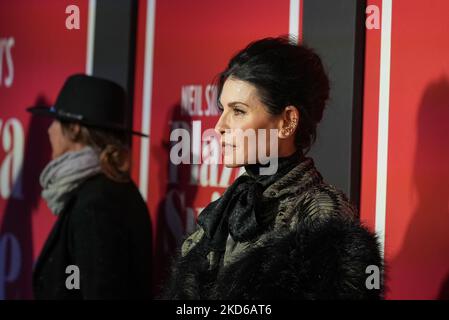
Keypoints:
(284, 74)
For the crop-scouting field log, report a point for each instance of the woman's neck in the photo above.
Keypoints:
(284, 163)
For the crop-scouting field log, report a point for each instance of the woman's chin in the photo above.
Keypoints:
(232, 165)
(235, 159)
(232, 162)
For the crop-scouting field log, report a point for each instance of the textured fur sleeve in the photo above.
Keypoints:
(322, 259)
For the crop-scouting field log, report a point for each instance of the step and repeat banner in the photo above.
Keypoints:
(41, 43)
(405, 172)
(181, 47)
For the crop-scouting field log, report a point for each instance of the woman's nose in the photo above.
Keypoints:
(220, 125)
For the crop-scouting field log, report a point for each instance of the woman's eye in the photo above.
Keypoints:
(238, 112)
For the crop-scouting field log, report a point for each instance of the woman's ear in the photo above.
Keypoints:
(289, 122)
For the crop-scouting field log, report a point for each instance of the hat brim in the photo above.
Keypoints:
(42, 111)
(50, 112)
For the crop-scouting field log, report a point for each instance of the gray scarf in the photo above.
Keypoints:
(65, 173)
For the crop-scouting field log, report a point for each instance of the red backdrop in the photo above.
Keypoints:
(37, 53)
(181, 47)
(417, 188)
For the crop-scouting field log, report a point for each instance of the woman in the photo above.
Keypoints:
(286, 235)
(100, 245)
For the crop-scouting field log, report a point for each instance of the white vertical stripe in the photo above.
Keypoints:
(90, 36)
(384, 107)
(147, 95)
(293, 29)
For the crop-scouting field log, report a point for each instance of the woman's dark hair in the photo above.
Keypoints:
(112, 146)
(284, 74)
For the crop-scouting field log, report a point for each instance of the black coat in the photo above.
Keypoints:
(105, 231)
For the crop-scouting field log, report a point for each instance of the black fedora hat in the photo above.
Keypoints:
(90, 101)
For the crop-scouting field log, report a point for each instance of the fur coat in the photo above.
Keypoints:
(316, 248)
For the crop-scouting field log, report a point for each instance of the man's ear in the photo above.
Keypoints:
(289, 122)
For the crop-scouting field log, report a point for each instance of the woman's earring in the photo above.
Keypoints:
(287, 131)
(291, 127)
(294, 122)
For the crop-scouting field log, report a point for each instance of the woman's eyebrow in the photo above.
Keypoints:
(233, 103)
